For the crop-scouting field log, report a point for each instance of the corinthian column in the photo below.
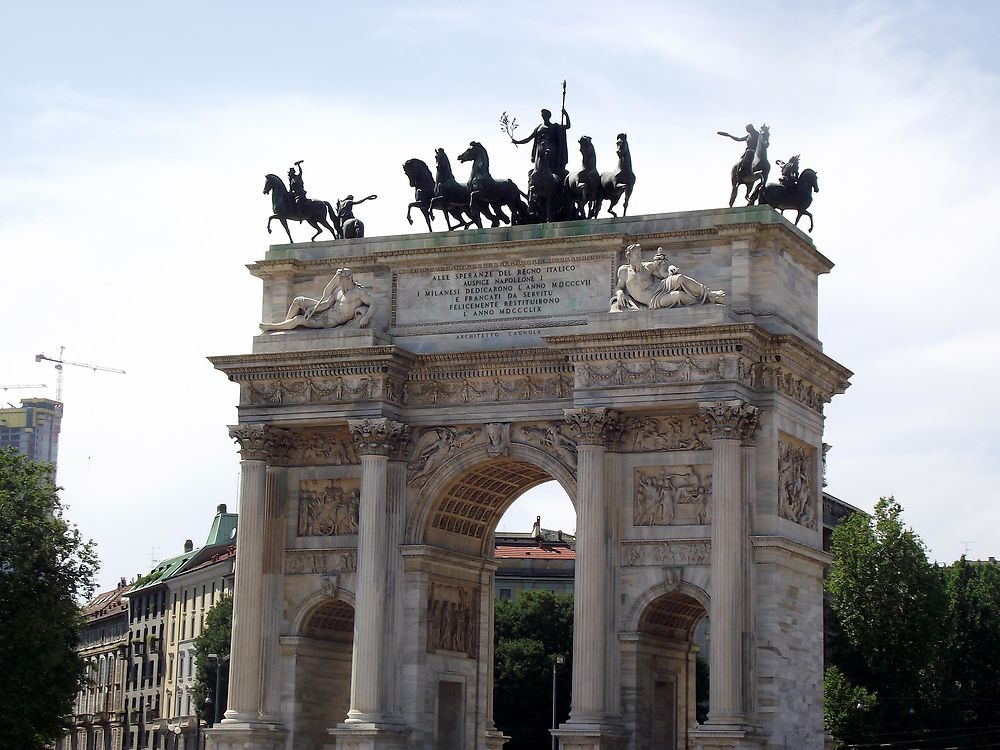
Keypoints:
(591, 604)
(729, 422)
(375, 439)
(257, 444)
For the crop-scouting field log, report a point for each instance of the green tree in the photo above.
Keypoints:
(529, 633)
(215, 638)
(891, 608)
(973, 646)
(46, 569)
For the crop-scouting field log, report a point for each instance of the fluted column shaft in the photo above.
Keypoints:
(594, 428)
(273, 553)
(245, 653)
(728, 422)
(375, 440)
(369, 608)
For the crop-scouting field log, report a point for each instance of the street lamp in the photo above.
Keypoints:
(218, 662)
(557, 662)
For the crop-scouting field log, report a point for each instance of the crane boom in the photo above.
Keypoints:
(21, 387)
(59, 368)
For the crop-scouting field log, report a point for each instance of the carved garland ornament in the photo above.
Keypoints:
(488, 390)
(318, 391)
(656, 371)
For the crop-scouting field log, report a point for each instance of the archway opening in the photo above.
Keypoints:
(666, 669)
(455, 564)
(322, 654)
(535, 553)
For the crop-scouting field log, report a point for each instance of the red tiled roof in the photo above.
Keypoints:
(539, 552)
(107, 602)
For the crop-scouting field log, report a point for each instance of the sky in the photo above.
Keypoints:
(136, 136)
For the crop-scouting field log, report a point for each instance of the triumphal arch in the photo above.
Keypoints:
(665, 369)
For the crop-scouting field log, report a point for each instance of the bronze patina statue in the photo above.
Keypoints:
(293, 205)
(486, 189)
(619, 183)
(753, 167)
(350, 227)
(795, 193)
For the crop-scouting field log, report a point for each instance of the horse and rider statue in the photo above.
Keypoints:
(793, 190)
(291, 204)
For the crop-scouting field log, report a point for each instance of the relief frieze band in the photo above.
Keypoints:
(324, 562)
(670, 433)
(687, 552)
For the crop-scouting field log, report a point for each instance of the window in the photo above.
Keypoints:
(505, 595)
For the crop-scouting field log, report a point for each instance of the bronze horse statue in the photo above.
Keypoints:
(584, 187)
(285, 209)
(752, 175)
(452, 196)
(489, 190)
(797, 196)
(616, 184)
(422, 182)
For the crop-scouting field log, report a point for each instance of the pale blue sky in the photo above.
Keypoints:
(136, 137)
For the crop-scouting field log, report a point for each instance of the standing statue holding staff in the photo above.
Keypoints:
(549, 154)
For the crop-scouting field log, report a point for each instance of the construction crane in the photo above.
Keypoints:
(59, 369)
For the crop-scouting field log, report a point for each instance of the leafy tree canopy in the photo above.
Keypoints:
(215, 638)
(46, 570)
(529, 633)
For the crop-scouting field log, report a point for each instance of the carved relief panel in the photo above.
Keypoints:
(326, 448)
(797, 484)
(671, 433)
(664, 495)
(324, 562)
(692, 552)
(328, 507)
(453, 619)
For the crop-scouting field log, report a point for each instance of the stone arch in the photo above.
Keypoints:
(632, 621)
(311, 603)
(659, 663)
(318, 658)
(469, 493)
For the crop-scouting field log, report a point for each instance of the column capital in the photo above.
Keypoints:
(731, 420)
(379, 437)
(598, 426)
(261, 442)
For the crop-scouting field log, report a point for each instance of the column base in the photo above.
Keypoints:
(245, 736)
(368, 736)
(725, 737)
(590, 736)
(495, 739)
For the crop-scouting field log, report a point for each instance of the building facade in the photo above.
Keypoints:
(542, 560)
(33, 428)
(98, 721)
(151, 613)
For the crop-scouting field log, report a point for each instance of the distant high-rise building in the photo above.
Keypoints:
(33, 428)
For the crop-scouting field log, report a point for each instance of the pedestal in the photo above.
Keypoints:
(245, 736)
(596, 737)
(724, 738)
(368, 737)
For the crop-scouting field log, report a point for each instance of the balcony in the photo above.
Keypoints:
(152, 714)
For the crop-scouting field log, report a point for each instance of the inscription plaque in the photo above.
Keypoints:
(501, 294)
